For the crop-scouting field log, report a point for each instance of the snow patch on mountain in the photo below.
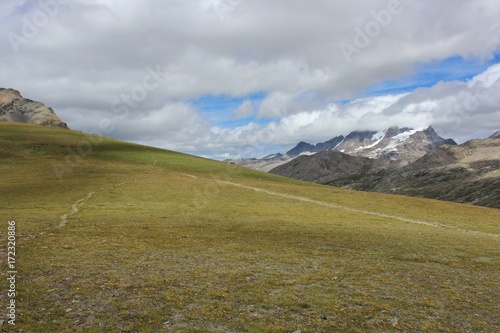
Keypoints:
(398, 139)
(378, 137)
(307, 153)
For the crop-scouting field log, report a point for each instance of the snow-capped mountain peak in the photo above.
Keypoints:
(403, 144)
(394, 143)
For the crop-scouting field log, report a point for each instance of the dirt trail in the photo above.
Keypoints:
(357, 210)
(347, 208)
(337, 206)
(188, 175)
(74, 209)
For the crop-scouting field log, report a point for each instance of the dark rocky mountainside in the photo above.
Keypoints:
(15, 108)
(333, 166)
(468, 173)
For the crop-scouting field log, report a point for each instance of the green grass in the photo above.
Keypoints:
(163, 243)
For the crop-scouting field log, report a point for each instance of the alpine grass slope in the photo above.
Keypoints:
(119, 237)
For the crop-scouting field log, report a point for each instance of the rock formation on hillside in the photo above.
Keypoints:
(15, 108)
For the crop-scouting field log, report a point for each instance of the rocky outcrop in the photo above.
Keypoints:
(15, 108)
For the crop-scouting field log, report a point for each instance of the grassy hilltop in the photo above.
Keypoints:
(119, 237)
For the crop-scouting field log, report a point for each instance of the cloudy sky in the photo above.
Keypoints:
(243, 78)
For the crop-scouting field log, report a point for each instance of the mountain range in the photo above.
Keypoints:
(404, 145)
(397, 161)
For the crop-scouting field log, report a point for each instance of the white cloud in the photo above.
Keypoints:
(277, 104)
(244, 110)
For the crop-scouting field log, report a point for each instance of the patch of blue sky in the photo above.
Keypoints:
(27, 6)
(429, 74)
(220, 109)
(344, 101)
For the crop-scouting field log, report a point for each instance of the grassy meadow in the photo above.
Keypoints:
(119, 237)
